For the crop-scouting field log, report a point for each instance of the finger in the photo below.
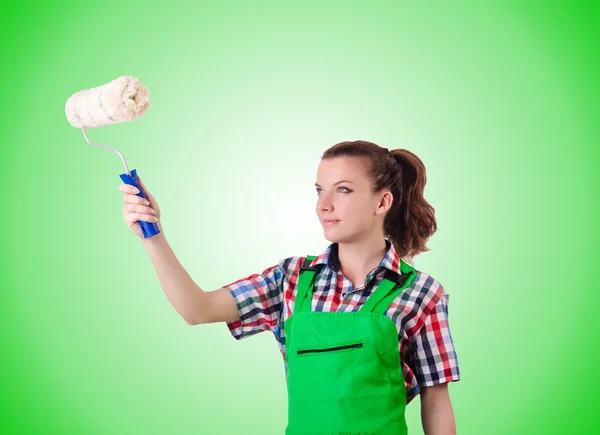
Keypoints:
(133, 216)
(128, 188)
(130, 218)
(138, 209)
(134, 199)
(143, 186)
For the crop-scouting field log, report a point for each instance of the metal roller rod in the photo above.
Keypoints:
(108, 148)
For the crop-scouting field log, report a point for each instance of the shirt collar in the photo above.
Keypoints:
(329, 257)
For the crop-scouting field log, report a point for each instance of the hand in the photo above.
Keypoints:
(137, 208)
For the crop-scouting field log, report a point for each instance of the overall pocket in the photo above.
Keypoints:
(330, 349)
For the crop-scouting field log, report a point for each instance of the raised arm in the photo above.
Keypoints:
(193, 304)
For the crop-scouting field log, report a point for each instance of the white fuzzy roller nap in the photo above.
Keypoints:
(123, 99)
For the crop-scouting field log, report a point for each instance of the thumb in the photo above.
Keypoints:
(143, 186)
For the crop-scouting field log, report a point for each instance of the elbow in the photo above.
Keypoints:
(193, 315)
(194, 320)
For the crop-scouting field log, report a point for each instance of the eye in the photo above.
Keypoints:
(318, 190)
(346, 190)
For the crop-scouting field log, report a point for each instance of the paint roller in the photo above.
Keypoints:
(124, 99)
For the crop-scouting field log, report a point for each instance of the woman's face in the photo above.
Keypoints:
(346, 207)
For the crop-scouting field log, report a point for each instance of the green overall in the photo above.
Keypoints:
(344, 374)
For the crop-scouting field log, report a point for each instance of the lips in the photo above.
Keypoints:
(330, 221)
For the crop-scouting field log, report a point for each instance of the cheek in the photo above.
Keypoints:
(362, 209)
(353, 208)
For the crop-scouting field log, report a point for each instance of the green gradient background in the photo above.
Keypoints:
(500, 102)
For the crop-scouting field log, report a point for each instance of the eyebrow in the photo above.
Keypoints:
(336, 183)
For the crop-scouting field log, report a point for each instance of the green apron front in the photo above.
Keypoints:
(344, 374)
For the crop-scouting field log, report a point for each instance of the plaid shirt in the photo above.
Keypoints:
(420, 312)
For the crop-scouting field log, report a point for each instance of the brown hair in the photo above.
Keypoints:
(411, 219)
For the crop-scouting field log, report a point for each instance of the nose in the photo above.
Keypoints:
(325, 203)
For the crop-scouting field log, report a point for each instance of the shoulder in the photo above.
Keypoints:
(285, 270)
(417, 301)
(426, 290)
(291, 266)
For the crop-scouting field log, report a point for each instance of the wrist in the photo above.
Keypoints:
(155, 239)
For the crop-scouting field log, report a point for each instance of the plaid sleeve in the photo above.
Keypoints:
(259, 299)
(435, 358)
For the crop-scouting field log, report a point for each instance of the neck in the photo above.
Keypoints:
(357, 259)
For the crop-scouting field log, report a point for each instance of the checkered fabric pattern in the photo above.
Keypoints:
(420, 312)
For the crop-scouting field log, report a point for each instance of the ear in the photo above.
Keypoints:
(385, 202)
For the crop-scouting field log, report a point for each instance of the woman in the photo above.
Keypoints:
(361, 331)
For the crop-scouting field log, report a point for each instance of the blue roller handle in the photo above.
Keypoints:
(148, 228)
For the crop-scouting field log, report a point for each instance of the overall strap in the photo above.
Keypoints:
(380, 300)
(305, 285)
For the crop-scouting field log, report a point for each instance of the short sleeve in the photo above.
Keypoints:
(436, 361)
(259, 299)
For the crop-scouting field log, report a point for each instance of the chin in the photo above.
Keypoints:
(334, 238)
(330, 237)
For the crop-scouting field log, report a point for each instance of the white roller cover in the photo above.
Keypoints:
(123, 99)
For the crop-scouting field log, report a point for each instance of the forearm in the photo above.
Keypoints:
(181, 290)
(437, 415)
(442, 423)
